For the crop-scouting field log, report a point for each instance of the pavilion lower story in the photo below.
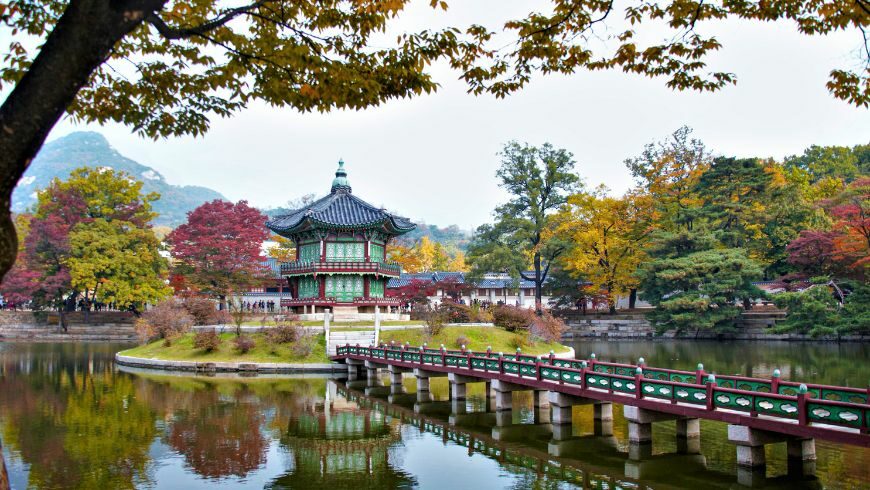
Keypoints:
(359, 309)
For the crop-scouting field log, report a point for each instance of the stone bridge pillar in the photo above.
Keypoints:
(751, 460)
(353, 368)
(422, 375)
(561, 410)
(457, 385)
(640, 431)
(396, 386)
(503, 397)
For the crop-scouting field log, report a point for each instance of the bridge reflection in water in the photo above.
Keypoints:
(524, 438)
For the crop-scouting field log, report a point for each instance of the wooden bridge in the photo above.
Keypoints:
(759, 411)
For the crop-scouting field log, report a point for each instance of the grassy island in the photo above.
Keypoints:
(182, 349)
(265, 350)
(475, 338)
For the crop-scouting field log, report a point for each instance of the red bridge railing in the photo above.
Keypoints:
(832, 412)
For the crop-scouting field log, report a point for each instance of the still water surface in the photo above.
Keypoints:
(69, 418)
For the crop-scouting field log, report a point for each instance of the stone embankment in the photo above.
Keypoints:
(752, 325)
(223, 367)
(95, 327)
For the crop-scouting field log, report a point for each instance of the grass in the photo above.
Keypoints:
(478, 338)
(182, 350)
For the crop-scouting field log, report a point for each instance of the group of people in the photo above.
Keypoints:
(266, 306)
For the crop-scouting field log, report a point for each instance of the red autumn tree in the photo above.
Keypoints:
(813, 251)
(850, 210)
(844, 250)
(416, 292)
(218, 250)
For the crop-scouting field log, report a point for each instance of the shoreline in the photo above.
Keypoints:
(228, 366)
(248, 367)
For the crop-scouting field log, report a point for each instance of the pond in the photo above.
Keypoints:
(69, 418)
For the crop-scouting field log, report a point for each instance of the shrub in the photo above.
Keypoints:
(456, 313)
(512, 319)
(203, 310)
(243, 343)
(283, 334)
(479, 315)
(304, 346)
(168, 320)
(207, 340)
(222, 317)
(520, 340)
(462, 340)
(144, 331)
(434, 322)
(548, 327)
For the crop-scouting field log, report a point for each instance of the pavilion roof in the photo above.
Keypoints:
(342, 210)
(489, 280)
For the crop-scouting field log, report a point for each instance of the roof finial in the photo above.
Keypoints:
(340, 183)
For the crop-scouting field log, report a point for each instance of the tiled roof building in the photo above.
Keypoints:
(340, 252)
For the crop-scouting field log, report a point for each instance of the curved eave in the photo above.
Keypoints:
(387, 225)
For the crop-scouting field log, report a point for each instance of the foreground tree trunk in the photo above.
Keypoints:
(4, 476)
(61, 313)
(632, 298)
(80, 42)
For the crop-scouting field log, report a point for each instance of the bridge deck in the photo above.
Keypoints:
(835, 413)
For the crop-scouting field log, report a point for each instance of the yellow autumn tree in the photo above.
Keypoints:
(607, 235)
(284, 249)
(457, 263)
(668, 171)
(406, 256)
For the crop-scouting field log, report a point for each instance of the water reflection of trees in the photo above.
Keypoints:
(220, 439)
(220, 426)
(73, 421)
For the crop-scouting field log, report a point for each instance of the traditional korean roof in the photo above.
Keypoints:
(491, 280)
(340, 209)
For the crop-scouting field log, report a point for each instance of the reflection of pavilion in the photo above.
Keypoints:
(342, 447)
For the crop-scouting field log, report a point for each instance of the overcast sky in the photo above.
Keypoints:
(433, 158)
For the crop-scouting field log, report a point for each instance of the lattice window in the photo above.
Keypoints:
(345, 252)
(308, 287)
(376, 253)
(309, 253)
(344, 288)
(376, 289)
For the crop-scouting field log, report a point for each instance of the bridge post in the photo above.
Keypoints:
(396, 386)
(561, 409)
(541, 414)
(750, 445)
(688, 436)
(457, 385)
(640, 427)
(353, 368)
(423, 393)
(503, 396)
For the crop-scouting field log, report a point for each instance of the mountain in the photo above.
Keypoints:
(89, 149)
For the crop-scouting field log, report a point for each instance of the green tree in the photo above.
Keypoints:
(117, 262)
(828, 162)
(732, 192)
(166, 67)
(539, 179)
(814, 311)
(668, 171)
(694, 283)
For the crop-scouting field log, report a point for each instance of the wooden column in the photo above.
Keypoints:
(366, 280)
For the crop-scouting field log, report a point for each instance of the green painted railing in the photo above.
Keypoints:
(806, 403)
